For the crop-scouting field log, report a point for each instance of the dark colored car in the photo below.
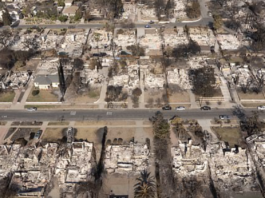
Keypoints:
(167, 107)
(206, 108)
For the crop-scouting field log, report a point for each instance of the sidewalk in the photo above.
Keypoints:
(193, 102)
(20, 105)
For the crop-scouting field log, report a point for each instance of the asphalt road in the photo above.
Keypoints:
(202, 22)
(124, 114)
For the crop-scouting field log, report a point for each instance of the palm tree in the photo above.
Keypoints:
(145, 188)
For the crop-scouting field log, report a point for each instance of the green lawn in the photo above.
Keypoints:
(43, 96)
(228, 134)
(7, 96)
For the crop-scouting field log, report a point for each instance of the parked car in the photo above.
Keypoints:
(15, 24)
(32, 109)
(180, 108)
(151, 22)
(147, 26)
(38, 134)
(206, 108)
(224, 117)
(167, 107)
(261, 108)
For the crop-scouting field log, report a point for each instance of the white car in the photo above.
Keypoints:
(261, 107)
(32, 109)
(180, 108)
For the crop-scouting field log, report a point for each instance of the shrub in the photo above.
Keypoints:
(35, 92)
(137, 92)
(62, 18)
(120, 31)
(120, 141)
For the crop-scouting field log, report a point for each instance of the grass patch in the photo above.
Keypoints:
(88, 134)
(7, 96)
(94, 93)
(250, 96)
(2, 123)
(235, 59)
(52, 134)
(253, 104)
(43, 106)
(217, 93)
(182, 96)
(58, 123)
(43, 96)
(229, 134)
(104, 123)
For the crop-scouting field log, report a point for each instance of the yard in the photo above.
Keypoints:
(254, 104)
(89, 96)
(7, 96)
(217, 93)
(229, 134)
(44, 96)
(52, 134)
(20, 133)
(179, 97)
(155, 98)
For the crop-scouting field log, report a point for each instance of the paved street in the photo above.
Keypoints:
(124, 114)
(203, 22)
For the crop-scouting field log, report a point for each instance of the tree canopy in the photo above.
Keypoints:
(160, 126)
(184, 51)
(218, 22)
(145, 186)
(193, 10)
(7, 20)
(203, 80)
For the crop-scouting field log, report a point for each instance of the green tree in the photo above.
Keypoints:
(145, 186)
(63, 18)
(218, 22)
(160, 126)
(61, 3)
(26, 11)
(78, 15)
(203, 80)
(7, 20)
